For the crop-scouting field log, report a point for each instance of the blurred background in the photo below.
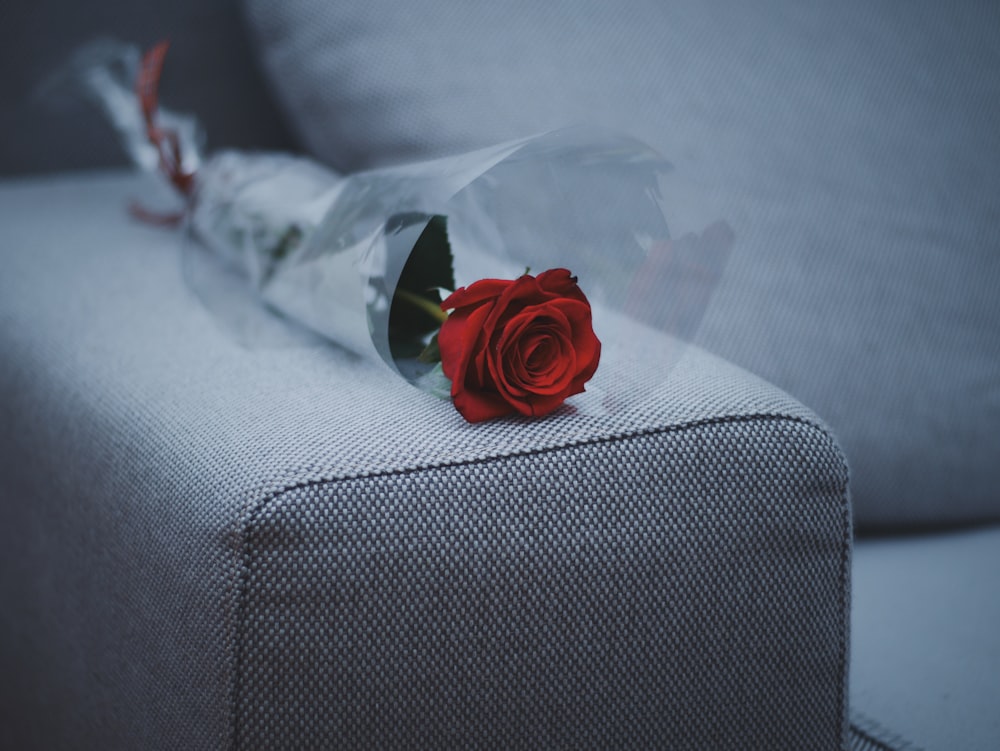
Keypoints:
(211, 58)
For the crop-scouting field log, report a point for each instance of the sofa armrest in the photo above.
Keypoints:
(206, 545)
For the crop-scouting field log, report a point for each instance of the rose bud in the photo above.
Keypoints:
(517, 347)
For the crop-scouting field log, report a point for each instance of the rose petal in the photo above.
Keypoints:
(475, 294)
(553, 360)
(477, 406)
(531, 327)
(522, 291)
(518, 346)
(457, 340)
(560, 283)
(554, 367)
(537, 405)
(510, 330)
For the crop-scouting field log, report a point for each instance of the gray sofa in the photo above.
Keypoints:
(207, 545)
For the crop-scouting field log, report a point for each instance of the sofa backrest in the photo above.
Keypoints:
(852, 146)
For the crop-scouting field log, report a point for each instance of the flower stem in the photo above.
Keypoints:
(423, 303)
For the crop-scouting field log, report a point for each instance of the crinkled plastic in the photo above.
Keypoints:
(327, 251)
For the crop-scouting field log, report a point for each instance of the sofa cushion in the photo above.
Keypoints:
(845, 143)
(208, 545)
(925, 654)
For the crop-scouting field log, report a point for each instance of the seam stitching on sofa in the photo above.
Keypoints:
(252, 509)
(873, 732)
(236, 582)
(318, 478)
(846, 555)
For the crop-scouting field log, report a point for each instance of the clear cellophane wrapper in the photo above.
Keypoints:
(327, 250)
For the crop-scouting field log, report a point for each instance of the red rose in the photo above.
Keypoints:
(519, 346)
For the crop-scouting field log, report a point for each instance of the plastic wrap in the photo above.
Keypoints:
(331, 252)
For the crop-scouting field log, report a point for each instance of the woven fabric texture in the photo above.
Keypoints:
(848, 144)
(682, 589)
(206, 545)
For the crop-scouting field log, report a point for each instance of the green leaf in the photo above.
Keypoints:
(432, 352)
(435, 382)
(413, 313)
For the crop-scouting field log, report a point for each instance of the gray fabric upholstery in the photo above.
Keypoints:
(851, 146)
(925, 655)
(211, 546)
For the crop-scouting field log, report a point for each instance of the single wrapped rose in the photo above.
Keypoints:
(365, 259)
(520, 346)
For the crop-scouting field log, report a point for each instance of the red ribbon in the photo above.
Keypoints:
(166, 140)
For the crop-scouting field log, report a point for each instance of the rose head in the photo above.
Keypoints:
(518, 346)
